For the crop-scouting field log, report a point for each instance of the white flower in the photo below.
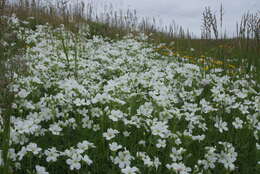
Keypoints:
(146, 109)
(210, 158)
(26, 126)
(40, 170)
(32, 147)
(221, 125)
(146, 159)
(129, 170)
(257, 146)
(111, 133)
(160, 128)
(142, 142)
(70, 152)
(156, 162)
(80, 102)
(205, 106)
(14, 105)
(22, 153)
(257, 126)
(51, 154)
(228, 156)
(87, 159)
(114, 146)
(74, 162)
(55, 129)
(86, 122)
(178, 141)
(116, 115)
(12, 154)
(96, 127)
(123, 159)
(23, 93)
(244, 109)
(85, 145)
(205, 82)
(17, 165)
(4, 43)
(180, 168)
(96, 112)
(176, 154)
(198, 137)
(161, 143)
(126, 133)
(238, 124)
(241, 95)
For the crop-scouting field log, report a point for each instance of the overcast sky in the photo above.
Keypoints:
(187, 13)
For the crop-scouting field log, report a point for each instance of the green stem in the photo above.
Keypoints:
(7, 125)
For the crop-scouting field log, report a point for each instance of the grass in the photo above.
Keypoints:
(83, 98)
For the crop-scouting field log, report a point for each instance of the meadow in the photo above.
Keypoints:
(83, 96)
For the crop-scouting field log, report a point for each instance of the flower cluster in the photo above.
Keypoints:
(102, 106)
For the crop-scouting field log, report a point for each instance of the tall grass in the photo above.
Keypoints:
(10, 67)
(113, 23)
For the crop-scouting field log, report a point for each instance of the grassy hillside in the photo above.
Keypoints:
(242, 50)
(80, 96)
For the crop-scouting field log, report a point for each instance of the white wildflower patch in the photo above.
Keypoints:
(146, 109)
(228, 156)
(211, 158)
(92, 104)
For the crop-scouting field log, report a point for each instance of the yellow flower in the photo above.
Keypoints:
(231, 66)
(206, 68)
(217, 62)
